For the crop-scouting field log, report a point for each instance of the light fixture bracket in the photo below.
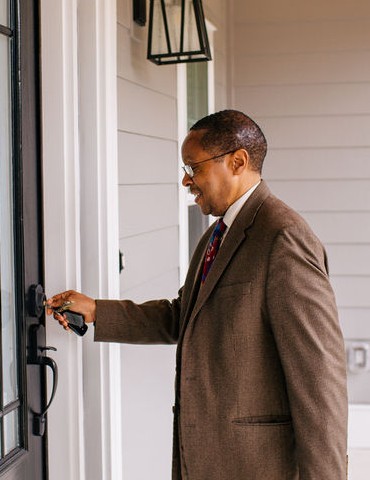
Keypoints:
(139, 12)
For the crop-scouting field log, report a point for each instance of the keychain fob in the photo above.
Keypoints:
(75, 322)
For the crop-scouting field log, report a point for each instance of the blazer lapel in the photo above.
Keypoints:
(236, 235)
(193, 279)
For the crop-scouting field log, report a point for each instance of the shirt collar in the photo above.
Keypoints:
(235, 208)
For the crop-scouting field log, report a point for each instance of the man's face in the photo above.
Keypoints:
(213, 183)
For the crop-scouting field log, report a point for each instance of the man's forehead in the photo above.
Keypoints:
(192, 142)
(194, 136)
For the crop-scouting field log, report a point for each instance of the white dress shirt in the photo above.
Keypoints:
(235, 208)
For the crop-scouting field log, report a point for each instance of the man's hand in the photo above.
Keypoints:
(78, 303)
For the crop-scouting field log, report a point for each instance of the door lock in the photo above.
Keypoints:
(36, 298)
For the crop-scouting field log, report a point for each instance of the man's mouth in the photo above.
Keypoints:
(197, 196)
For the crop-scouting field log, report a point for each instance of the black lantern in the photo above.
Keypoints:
(177, 32)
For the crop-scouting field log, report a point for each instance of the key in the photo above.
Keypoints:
(75, 320)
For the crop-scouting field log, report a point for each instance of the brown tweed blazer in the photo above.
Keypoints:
(261, 371)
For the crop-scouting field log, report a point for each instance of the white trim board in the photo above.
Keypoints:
(359, 426)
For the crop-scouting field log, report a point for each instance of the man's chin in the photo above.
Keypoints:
(199, 200)
(206, 210)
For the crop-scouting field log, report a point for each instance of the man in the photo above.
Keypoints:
(261, 383)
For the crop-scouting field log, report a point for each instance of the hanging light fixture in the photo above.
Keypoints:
(177, 32)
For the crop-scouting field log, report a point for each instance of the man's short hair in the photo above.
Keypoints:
(230, 130)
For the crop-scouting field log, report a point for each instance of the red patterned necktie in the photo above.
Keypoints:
(213, 246)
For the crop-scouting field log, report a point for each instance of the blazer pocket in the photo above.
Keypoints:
(263, 421)
(234, 290)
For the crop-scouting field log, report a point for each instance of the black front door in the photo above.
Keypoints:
(23, 435)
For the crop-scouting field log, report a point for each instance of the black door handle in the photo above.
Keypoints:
(36, 357)
(39, 419)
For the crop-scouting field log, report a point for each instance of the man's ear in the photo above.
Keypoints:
(241, 161)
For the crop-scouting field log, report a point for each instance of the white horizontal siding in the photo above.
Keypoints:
(352, 291)
(146, 159)
(148, 168)
(148, 256)
(313, 132)
(303, 68)
(304, 36)
(312, 100)
(317, 163)
(355, 323)
(133, 66)
(148, 219)
(216, 11)
(123, 14)
(341, 227)
(165, 285)
(286, 10)
(156, 203)
(346, 260)
(147, 112)
(325, 195)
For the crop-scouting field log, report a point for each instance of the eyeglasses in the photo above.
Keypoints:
(191, 170)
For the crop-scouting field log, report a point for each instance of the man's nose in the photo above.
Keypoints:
(187, 180)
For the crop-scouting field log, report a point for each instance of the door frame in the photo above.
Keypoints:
(79, 110)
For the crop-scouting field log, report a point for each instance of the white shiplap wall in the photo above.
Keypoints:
(148, 219)
(302, 70)
(147, 149)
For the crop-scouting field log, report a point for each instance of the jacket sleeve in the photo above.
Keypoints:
(303, 316)
(123, 321)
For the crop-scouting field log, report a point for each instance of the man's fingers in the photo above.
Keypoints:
(61, 320)
(72, 300)
(57, 300)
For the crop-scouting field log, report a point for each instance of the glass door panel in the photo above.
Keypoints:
(9, 401)
(11, 431)
(8, 319)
